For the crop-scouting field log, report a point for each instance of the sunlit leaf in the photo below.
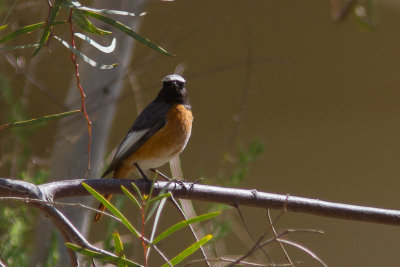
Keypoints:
(189, 251)
(20, 31)
(94, 254)
(104, 49)
(119, 247)
(86, 25)
(84, 57)
(112, 208)
(77, 5)
(3, 27)
(125, 29)
(183, 224)
(41, 119)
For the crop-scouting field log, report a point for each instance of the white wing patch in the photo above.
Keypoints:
(130, 140)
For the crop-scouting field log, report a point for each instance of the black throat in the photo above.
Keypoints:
(173, 94)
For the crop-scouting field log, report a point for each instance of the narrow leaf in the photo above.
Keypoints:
(153, 208)
(41, 119)
(84, 57)
(125, 29)
(112, 208)
(189, 251)
(183, 224)
(50, 20)
(20, 31)
(77, 5)
(137, 191)
(104, 49)
(101, 256)
(3, 27)
(79, 18)
(156, 221)
(119, 247)
(131, 197)
(19, 47)
(159, 197)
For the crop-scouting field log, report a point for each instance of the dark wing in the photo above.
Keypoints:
(150, 121)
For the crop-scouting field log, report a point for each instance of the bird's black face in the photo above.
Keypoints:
(174, 87)
(173, 90)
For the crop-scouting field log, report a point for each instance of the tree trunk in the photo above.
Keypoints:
(69, 158)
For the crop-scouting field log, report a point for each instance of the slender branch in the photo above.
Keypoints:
(216, 194)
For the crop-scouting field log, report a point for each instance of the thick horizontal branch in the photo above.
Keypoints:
(215, 194)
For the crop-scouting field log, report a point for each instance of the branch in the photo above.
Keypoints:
(215, 194)
(15, 188)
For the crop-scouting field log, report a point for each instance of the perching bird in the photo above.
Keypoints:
(159, 133)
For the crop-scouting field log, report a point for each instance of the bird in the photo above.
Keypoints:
(159, 133)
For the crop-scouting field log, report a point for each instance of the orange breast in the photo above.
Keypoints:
(164, 145)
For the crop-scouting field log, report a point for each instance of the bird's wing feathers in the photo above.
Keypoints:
(150, 121)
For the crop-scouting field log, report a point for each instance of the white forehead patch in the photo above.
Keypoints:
(173, 77)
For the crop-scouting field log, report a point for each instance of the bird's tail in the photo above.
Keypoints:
(101, 208)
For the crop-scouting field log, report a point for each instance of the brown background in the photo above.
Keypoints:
(322, 98)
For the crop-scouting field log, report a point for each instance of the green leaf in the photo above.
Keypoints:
(137, 191)
(159, 197)
(125, 29)
(112, 208)
(131, 197)
(101, 256)
(189, 251)
(119, 248)
(20, 31)
(3, 27)
(50, 20)
(80, 19)
(41, 119)
(84, 57)
(154, 207)
(183, 224)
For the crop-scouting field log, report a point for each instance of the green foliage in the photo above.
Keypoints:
(80, 16)
(189, 251)
(244, 158)
(143, 202)
(14, 229)
(16, 221)
(104, 257)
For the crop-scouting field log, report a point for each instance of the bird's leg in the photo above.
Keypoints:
(144, 176)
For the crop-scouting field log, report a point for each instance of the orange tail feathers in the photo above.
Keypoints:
(101, 208)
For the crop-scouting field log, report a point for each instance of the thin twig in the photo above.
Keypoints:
(79, 85)
(271, 223)
(251, 236)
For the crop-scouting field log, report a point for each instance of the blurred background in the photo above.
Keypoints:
(317, 99)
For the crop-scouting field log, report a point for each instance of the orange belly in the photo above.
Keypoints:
(164, 145)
